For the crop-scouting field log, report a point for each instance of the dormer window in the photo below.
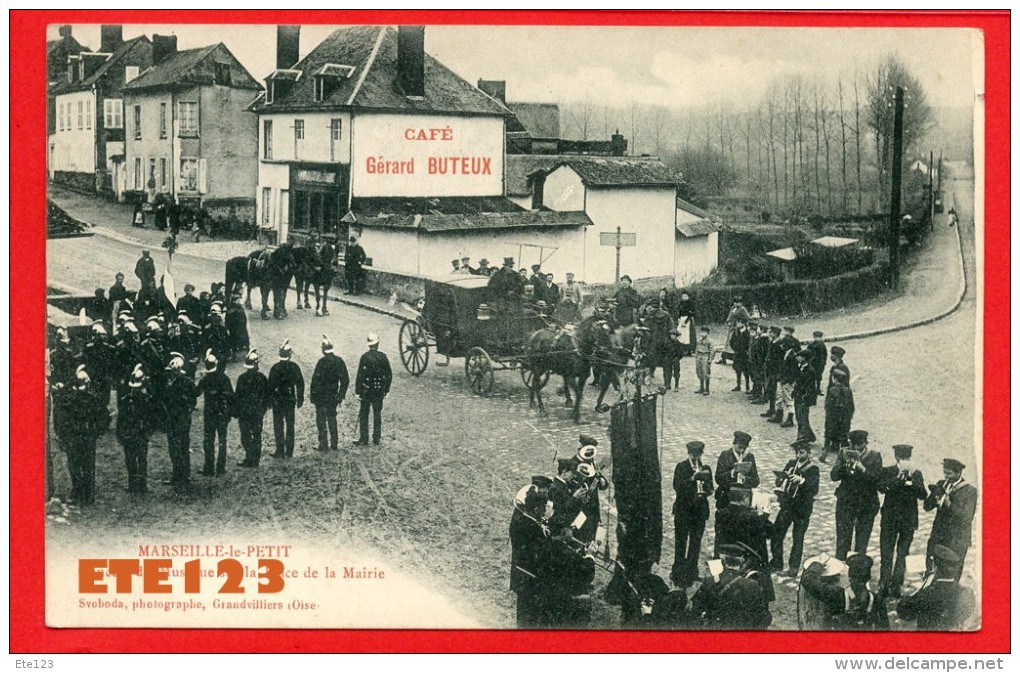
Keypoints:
(328, 79)
(279, 83)
(222, 74)
(130, 72)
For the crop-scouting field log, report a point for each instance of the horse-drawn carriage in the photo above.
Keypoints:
(459, 319)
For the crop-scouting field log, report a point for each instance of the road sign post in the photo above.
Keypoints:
(618, 240)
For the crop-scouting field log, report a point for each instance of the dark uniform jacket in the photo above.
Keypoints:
(100, 358)
(219, 395)
(526, 541)
(839, 399)
(846, 611)
(819, 354)
(355, 256)
(789, 370)
(82, 415)
(735, 601)
(943, 605)
(329, 381)
(688, 501)
(135, 411)
(566, 507)
(740, 342)
(180, 397)
(251, 399)
(953, 521)
(805, 388)
(236, 322)
(899, 506)
(860, 488)
(286, 384)
(774, 359)
(725, 477)
(805, 493)
(63, 361)
(145, 270)
(117, 292)
(839, 368)
(374, 375)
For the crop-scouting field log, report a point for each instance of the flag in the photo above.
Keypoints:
(637, 480)
(168, 289)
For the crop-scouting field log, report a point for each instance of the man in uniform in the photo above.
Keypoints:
(773, 367)
(703, 352)
(82, 418)
(789, 371)
(327, 391)
(215, 334)
(135, 410)
(736, 600)
(215, 388)
(287, 392)
(528, 537)
(836, 354)
(819, 354)
(855, 608)
(740, 345)
(117, 294)
(857, 471)
(145, 270)
(63, 359)
(179, 398)
(796, 486)
(371, 386)
(839, 412)
(692, 484)
(100, 359)
(251, 400)
(805, 395)
(756, 354)
(903, 486)
(735, 469)
(955, 501)
(941, 604)
(738, 313)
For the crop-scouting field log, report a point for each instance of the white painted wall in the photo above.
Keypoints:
(563, 190)
(696, 257)
(275, 177)
(403, 251)
(74, 148)
(384, 137)
(316, 146)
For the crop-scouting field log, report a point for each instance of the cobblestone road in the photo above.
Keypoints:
(435, 498)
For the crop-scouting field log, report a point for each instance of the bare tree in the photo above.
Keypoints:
(582, 118)
(842, 133)
(857, 138)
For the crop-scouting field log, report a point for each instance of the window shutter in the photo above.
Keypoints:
(202, 175)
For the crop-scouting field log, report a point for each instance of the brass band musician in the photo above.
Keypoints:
(796, 487)
(956, 500)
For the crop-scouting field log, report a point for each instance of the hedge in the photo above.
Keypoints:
(713, 302)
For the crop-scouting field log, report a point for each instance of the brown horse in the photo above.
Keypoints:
(552, 350)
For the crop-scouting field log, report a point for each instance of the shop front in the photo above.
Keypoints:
(317, 201)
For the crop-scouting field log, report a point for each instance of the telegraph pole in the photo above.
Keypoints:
(894, 206)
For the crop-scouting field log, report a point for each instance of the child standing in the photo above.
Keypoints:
(703, 352)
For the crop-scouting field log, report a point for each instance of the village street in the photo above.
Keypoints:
(435, 498)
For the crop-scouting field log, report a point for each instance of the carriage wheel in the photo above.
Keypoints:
(414, 348)
(532, 381)
(478, 368)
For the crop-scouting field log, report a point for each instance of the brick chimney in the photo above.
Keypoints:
(110, 37)
(162, 47)
(288, 41)
(495, 88)
(411, 60)
(618, 144)
(64, 31)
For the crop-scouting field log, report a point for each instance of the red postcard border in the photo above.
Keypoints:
(28, 633)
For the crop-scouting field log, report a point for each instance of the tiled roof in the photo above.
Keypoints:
(692, 209)
(697, 228)
(520, 166)
(372, 51)
(539, 120)
(193, 66)
(620, 172)
(115, 59)
(457, 214)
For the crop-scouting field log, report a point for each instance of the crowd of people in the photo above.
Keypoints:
(556, 549)
(157, 357)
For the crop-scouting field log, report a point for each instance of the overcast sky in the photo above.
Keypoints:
(677, 67)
